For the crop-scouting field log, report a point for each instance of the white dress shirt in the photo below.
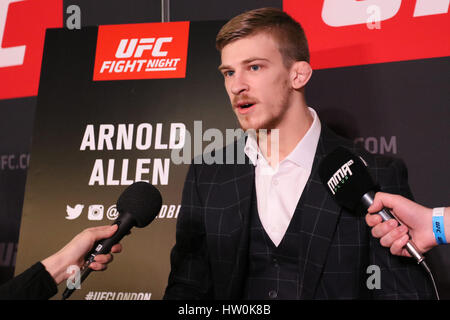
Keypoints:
(279, 189)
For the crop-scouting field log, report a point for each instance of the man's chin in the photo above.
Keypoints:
(247, 127)
(252, 126)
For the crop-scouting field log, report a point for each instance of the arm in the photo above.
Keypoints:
(40, 281)
(190, 273)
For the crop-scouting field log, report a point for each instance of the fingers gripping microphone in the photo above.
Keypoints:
(347, 179)
(138, 205)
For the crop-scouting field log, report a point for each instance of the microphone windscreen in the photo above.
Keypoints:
(346, 177)
(142, 200)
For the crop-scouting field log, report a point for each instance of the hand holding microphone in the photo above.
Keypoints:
(347, 179)
(138, 205)
(74, 252)
(417, 219)
(39, 281)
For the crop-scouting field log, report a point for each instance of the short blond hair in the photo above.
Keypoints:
(287, 32)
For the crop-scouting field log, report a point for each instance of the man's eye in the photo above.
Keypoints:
(255, 67)
(228, 73)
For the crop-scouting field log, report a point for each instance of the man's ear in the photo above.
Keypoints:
(301, 72)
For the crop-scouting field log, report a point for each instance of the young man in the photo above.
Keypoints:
(268, 229)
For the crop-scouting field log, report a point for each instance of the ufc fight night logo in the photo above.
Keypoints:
(356, 32)
(142, 51)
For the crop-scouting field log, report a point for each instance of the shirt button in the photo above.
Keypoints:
(273, 294)
(275, 262)
(275, 182)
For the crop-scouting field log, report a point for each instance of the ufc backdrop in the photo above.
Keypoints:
(76, 176)
(381, 79)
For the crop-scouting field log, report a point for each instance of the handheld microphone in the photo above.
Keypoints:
(347, 179)
(138, 206)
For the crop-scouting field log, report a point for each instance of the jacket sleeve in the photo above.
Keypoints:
(34, 283)
(190, 276)
(400, 277)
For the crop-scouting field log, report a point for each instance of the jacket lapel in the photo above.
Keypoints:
(246, 176)
(319, 219)
(227, 223)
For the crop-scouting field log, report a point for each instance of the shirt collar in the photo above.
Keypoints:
(303, 153)
(251, 147)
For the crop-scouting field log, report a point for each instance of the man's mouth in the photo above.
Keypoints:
(244, 107)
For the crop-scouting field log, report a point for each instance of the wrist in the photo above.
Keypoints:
(55, 267)
(430, 239)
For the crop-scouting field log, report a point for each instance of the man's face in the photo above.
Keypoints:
(256, 81)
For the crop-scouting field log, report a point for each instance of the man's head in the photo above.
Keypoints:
(265, 64)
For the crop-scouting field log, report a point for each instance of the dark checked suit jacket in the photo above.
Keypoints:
(210, 257)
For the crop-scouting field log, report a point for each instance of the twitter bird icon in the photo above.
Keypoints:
(73, 213)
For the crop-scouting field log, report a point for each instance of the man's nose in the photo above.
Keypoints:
(239, 84)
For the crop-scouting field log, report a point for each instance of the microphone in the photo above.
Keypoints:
(138, 206)
(346, 177)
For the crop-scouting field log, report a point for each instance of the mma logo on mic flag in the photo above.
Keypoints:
(340, 176)
(346, 177)
(141, 51)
